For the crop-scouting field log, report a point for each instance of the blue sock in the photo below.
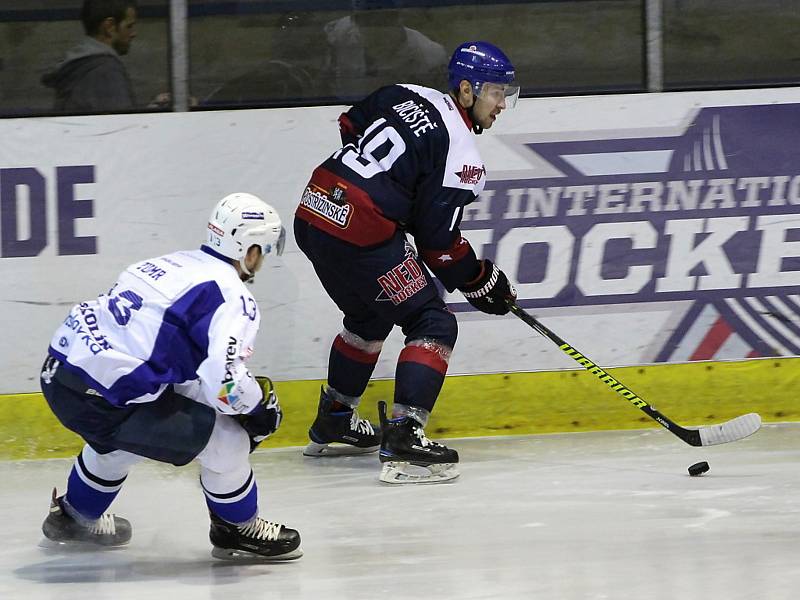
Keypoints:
(90, 495)
(239, 506)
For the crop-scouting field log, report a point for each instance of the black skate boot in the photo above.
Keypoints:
(108, 530)
(261, 539)
(410, 457)
(341, 432)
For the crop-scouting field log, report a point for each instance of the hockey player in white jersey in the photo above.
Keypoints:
(156, 368)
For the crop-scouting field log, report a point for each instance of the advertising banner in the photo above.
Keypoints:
(701, 219)
(643, 228)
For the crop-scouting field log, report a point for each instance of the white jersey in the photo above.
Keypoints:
(182, 318)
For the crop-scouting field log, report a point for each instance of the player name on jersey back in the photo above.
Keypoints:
(415, 116)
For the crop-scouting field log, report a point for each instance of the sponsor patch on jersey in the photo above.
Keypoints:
(470, 174)
(83, 320)
(253, 215)
(226, 394)
(320, 203)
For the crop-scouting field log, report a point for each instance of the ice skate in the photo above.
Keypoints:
(410, 457)
(109, 530)
(340, 433)
(260, 539)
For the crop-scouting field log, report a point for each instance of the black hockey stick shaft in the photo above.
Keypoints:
(690, 436)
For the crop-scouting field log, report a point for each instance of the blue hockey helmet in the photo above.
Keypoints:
(479, 63)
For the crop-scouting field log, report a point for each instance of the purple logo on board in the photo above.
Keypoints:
(24, 227)
(703, 216)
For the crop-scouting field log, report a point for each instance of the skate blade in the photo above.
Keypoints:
(316, 450)
(406, 473)
(251, 557)
(77, 546)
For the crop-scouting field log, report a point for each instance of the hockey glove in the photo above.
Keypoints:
(265, 418)
(490, 292)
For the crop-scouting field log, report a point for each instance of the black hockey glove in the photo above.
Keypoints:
(490, 292)
(265, 418)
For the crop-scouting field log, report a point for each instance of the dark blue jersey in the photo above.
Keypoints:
(409, 162)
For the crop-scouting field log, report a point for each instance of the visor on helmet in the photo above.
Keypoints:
(274, 245)
(278, 245)
(495, 93)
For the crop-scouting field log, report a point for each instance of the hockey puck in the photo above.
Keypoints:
(698, 469)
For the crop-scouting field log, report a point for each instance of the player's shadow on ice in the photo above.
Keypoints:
(90, 565)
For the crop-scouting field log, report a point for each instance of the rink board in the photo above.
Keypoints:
(500, 404)
(642, 229)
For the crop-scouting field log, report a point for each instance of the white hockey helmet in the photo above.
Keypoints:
(240, 221)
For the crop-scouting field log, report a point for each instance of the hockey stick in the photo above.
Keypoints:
(729, 431)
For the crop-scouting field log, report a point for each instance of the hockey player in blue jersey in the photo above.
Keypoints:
(156, 368)
(408, 166)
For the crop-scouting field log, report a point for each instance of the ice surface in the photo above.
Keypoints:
(610, 515)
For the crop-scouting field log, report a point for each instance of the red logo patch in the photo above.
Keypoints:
(470, 174)
(402, 282)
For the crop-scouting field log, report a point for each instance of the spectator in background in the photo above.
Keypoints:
(92, 77)
(372, 48)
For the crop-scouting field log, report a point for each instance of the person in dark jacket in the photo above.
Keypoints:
(92, 77)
